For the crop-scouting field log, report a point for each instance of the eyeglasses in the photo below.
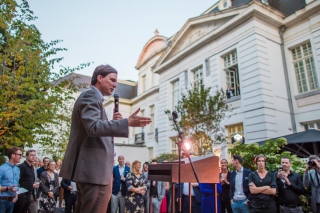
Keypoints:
(18, 154)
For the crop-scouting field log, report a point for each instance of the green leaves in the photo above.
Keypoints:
(34, 101)
(201, 115)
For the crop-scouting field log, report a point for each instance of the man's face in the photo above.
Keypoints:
(17, 157)
(32, 157)
(108, 83)
(234, 163)
(45, 162)
(121, 160)
(285, 163)
(128, 163)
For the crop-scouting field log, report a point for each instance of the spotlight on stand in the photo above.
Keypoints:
(237, 138)
(187, 145)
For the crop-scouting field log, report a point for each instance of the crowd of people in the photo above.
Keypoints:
(35, 186)
(239, 191)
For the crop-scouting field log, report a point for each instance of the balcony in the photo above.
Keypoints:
(139, 138)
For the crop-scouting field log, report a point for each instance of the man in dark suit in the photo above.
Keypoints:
(89, 156)
(70, 194)
(240, 195)
(119, 188)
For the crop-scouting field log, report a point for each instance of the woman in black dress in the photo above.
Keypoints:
(135, 183)
(262, 185)
(225, 178)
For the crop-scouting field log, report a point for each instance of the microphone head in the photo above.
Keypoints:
(175, 114)
(116, 96)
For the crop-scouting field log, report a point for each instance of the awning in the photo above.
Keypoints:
(302, 144)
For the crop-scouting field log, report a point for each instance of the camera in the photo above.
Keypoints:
(311, 163)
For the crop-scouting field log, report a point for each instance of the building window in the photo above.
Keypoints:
(151, 78)
(232, 74)
(198, 76)
(143, 83)
(142, 115)
(151, 125)
(234, 129)
(175, 94)
(304, 68)
(312, 125)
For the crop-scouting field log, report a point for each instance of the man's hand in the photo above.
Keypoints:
(117, 116)
(280, 174)
(70, 187)
(137, 121)
(317, 163)
(36, 185)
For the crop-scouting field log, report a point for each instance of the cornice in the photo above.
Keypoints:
(302, 15)
(149, 92)
(254, 10)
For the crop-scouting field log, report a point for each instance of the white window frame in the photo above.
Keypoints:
(234, 129)
(197, 76)
(231, 70)
(151, 112)
(175, 93)
(304, 68)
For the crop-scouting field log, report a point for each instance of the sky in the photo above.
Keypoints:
(110, 32)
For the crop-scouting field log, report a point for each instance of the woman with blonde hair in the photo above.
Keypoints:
(136, 188)
(225, 178)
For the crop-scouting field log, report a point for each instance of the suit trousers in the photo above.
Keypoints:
(156, 203)
(117, 200)
(195, 206)
(70, 202)
(92, 198)
(22, 204)
(33, 208)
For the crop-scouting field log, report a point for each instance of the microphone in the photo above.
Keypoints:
(116, 102)
(175, 115)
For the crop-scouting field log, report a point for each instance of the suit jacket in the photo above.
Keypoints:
(312, 180)
(245, 183)
(90, 151)
(45, 184)
(117, 180)
(64, 184)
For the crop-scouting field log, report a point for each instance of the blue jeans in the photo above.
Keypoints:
(239, 206)
(6, 206)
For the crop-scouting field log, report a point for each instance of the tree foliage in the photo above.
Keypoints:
(167, 157)
(201, 116)
(33, 98)
(272, 150)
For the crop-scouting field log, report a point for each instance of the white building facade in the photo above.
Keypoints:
(271, 59)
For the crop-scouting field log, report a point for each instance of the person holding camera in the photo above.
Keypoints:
(289, 187)
(311, 180)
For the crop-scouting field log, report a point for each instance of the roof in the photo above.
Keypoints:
(308, 136)
(126, 91)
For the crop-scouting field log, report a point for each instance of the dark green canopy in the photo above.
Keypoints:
(303, 144)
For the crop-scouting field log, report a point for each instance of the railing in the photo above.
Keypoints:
(139, 138)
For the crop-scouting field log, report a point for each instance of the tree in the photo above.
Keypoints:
(167, 156)
(32, 101)
(201, 116)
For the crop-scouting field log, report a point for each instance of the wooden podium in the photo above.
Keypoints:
(207, 168)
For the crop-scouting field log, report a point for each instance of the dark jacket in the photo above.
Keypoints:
(117, 180)
(64, 184)
(45, 184)
(196, 190)
(290, 194)
(245, 183)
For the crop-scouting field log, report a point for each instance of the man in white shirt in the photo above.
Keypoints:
(119, 186)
